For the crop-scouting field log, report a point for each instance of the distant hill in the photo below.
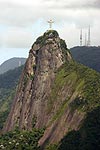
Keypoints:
(89, 56)
(11, 64)
(8, 82)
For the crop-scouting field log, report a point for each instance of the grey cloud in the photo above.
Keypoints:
(74, 4)
(9, 4)
(17, 38)
(16, 14)
(23, 16)
(97, 3)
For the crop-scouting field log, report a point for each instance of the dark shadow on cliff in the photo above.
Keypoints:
(88, 136)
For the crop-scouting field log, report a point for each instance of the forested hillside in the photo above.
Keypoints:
(89, 56)
(8, 82)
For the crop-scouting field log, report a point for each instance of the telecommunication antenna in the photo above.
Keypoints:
(85, 39)
(89, 34)
(81, 37)
(19, 63)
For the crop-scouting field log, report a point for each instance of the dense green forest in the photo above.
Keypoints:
(21, 140)
(8, 82)
(87, 137)
(89, 56)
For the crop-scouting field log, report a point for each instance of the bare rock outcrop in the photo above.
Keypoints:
(47, 54)
(54, 91)
(44, 97)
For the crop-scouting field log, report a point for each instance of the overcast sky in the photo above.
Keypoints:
(22, 21)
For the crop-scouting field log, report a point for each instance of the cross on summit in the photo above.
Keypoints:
(50, 24)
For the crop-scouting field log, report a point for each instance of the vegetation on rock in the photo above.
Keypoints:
(64, 95)
(85, 81)
(8, 82)
(21, 140)
(49, 34)
(87, 137)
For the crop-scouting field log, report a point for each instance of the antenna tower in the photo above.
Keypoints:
(85, 39)
(81, 38)
(89, 41)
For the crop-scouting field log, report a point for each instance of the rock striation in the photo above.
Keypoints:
(47, 54)
(54, 92)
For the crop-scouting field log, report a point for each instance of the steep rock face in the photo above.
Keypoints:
(47, 54)
(75, 92)
(54, 90)
(21, 103)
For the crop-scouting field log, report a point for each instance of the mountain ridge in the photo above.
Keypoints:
(46, 53)
(88, 56)
(54, 90)
(11, 64)
(8, 83)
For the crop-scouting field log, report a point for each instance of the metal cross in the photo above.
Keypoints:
(50, 23)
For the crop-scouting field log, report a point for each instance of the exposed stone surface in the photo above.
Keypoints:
(48, 53)
(21, 105)
(57, 130)
(54, 90)
(34, 98)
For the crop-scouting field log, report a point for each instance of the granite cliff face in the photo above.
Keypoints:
(53, 90)
(47, 54)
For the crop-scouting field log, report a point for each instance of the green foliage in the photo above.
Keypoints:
(60, 112)
(31, 76)
(63, 44)
(8, 82)
(33, 122)
(10, 78)
(49, 34)
(72, 142)
(62, 79)
(87, 84)
(34, 67)
(3, 117)
(87, 137)
(81, 82)
(77, 103)
(64, 48)
(5, 105)
(52, 147)
(39, 40)
(88, 56)
(21, 140)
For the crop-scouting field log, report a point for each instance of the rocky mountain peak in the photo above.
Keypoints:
(47, 54)
(54, 92)
(51, 40)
